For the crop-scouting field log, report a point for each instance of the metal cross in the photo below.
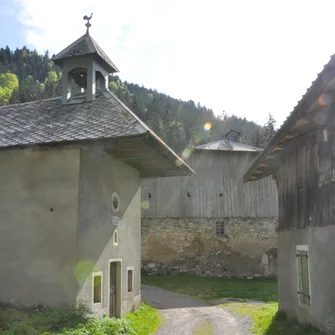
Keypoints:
(88, 25)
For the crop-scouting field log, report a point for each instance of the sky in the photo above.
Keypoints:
(247, 58)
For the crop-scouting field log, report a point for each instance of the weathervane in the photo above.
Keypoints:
(88, 25)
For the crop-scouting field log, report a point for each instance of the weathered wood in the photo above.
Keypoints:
(302, 201)
(217, 190)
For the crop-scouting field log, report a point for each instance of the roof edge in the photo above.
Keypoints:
(312, 94)
(146, 129)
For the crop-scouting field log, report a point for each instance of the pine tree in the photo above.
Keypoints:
(269, 131)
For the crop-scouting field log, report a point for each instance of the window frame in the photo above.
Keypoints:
(94, 275)
(303, 279)
(130, 268)
(222, 231)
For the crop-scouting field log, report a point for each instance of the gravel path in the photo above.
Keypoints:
(184, 315)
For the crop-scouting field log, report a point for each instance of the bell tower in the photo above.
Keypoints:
(85, 68)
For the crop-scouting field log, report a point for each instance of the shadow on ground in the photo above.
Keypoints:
(281, 325)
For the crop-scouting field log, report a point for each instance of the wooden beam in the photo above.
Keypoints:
(277, 148)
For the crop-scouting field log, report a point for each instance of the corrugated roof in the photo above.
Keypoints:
(226, 145)
(85, 45)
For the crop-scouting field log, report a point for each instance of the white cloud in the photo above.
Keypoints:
(248, 58)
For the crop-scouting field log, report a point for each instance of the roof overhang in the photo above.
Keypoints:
(312, 111)
(150, 157)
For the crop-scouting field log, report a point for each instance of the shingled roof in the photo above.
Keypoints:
(49, 121)
(83, 46)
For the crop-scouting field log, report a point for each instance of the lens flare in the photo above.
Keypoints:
(83, 270)
(186, 153)
(207, 126)
(324, 99)
(178, 163)
(145, 204)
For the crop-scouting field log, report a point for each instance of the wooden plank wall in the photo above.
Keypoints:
(216, 172)
(302, 202)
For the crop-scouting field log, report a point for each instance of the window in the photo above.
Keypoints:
(303, 275)
(130, 280)
(115, 237)
(220, 229)
(326, 151)
(115, 202)
(97, 287)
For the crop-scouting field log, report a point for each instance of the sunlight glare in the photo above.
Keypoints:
(207, 126)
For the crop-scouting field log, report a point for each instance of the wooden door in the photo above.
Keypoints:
(114, 289)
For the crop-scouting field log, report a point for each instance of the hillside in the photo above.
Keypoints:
(26, 75)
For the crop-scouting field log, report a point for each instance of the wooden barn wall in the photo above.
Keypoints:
(302, 202)
(216, 173)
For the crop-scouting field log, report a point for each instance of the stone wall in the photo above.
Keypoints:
(247, 247)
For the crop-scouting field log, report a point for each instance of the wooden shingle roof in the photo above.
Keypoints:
(83, 46)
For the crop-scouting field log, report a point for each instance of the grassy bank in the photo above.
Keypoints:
(266, 318)
(45, 321)
(216, 288)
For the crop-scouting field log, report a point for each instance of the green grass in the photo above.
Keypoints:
(146, 320)
(268, 321)
(45, 321)
(216, 288)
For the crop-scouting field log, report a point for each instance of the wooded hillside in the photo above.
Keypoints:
(26, 75)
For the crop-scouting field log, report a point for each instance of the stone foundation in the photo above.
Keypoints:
(247, 247)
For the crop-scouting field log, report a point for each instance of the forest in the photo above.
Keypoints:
(26, 75)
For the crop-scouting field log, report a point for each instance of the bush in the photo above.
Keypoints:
(104, 326)
(38, 320)
(47, 321)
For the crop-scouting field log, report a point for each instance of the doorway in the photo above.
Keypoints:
(115, 288)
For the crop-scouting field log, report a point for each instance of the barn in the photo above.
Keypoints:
(211, 223)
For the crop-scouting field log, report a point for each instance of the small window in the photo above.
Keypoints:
(130, 280)
(303, 275)
(220, 229)
(97, 288)
(115, 237)
(115, 202)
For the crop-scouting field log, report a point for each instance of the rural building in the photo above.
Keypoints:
(70, 203)
(301, 157)
(211, 223)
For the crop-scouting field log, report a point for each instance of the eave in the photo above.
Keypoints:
(311, 112)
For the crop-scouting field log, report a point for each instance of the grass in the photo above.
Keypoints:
(216, 288)
(46, 321)
(203, 329)
(268, 321)
(266, 318)
(145, 320)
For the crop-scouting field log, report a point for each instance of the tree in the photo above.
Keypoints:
(8, 85)
(269, 131)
